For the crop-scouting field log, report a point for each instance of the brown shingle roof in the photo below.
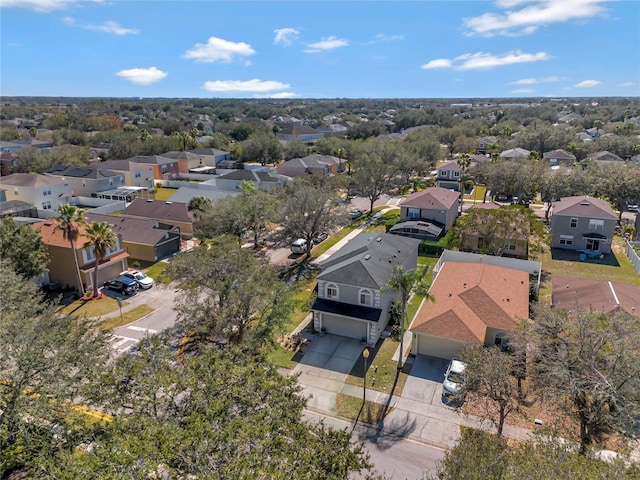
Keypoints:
(168, 211)
(32, 180)
(471, 297)
(434, 197)
(584, 206)
(601, 295)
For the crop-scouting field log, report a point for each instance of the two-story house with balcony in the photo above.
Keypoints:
(61, 263)
(448, 176)
(42, 191)
(428, 214)
(87, 181)
(352, 300)
(582, 223)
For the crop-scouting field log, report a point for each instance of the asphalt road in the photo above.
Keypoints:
(397, 458)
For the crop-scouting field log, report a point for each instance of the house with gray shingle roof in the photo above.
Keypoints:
(42, 191)
(314, 164)
(88, 180)
(351, 300)
(516, 154)
(559, 157)
(263, 180)
(435, 206)
(167, 212)
(582, 223)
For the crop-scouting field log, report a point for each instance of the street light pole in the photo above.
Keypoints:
(365, 354)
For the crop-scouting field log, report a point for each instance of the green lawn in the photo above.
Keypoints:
(616, 267)
(90, 308)
(382, 369)
(164, 193)
(127, 317)
(478, 193)
(156, 271)
(352, 407)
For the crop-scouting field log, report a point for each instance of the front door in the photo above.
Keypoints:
(593, 244)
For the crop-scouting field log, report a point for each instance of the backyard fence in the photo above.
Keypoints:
(632, 254)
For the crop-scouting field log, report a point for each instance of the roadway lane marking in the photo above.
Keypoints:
(141, 329)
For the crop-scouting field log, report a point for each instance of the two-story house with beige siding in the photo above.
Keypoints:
(42, 191)
(352, 300)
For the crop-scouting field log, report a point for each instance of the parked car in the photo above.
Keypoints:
(454, 377)
(140, 278)
(299, 246)
(355, 214)
(633, 208)
(320, 238)
(123, 285)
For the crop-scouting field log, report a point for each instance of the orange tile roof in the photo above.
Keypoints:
(471, 297)
(54, 237)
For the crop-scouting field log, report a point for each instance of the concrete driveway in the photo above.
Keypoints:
(424, 383)
(330, 356)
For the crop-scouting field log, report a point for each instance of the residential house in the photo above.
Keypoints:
(9, 147)
(143, 239)
(594, 132)
(314, 164)
(202, 189)
(604, 158)
(515, 154)
(448, 176)
(584, 137)
(171, 213)
(473, 302)
(42, 191)
(163, 168)
(559, 157)
(333, 130)
(352, 300)
(485, 142)
(41, 145)
(61, 263)
(302, 133)
(217, 155)
(582, 223)
(135, 174)
(187, 161)
(431, 212)
(232, 181)
(87, 181)
(7, 162)
(601, 295)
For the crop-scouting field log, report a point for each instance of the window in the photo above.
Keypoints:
(164, 168)
(509, 247)
(566, 239)
(456, 174)
(138, 174)
(597, 225)
(366, 297)
(573, 223)
(332, 291)
(46, 192)
(502, 340)
(46, 205)
(413, 212)
(16, 192)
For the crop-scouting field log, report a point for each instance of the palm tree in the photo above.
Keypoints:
(405, 283)
(464, 161)
(101, 238)
(68, 220)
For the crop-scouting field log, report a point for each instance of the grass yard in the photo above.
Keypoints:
(164, 193)
(90, 308)
(127, 317)
(382, 369)
(281, 357)
(156, 271)
(352, 408)
(478, 193)
(563, 263)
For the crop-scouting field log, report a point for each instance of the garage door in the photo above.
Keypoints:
(345, 327)
(438, 346)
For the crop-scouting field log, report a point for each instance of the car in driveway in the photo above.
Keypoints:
(453, 377)
(122, 285)
(140, 278)
(355, 213)
(320, 238)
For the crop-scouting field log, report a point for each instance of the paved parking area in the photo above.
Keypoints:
(424, 383)
(330, 356)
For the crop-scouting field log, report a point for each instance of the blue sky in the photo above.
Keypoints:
(320, 49)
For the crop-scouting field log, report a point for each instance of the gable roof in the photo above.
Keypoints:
(151, 159)
(250, 176)
(133, 230)
(471, 297)
(433, 197)
(559, 154)
(168, 211)
(605, 156)
(368, 259)
(90, 171)
(51, 235)
(515, 153)
(601, 295)
(583, 206)
(450, 166)
(30, 180)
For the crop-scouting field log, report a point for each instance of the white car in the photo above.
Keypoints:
(143, 280)
(454, 377)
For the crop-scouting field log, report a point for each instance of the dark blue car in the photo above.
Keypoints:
(123, 285)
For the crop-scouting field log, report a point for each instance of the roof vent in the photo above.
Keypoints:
(379, 239)
(149, 200)
(168, 203)
(585, 203)
(367, 257)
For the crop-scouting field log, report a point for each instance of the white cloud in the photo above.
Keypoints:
(41, 5)
(108, 27)
(218, 50)
(381, 37)
(481, 60)
(278, 95)
(533, 81)
(286, 36)
(254, 85)
(530, 15)
(328, 43)
(142, 76)
(523, 90)
(588, 84)
(437, 63)
(626, 84)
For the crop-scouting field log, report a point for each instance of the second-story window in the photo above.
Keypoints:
(332, 291)
(366, 297)
(413, 212)
(595, 224)
(573, 223)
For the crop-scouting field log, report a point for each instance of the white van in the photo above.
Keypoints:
(299, 246)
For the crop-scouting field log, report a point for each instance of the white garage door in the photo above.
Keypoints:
(438, 346)
(345, 327)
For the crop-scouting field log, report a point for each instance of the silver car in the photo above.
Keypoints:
(145, 282)
(454, 377)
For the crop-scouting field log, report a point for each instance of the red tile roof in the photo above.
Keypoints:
(471, 297)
